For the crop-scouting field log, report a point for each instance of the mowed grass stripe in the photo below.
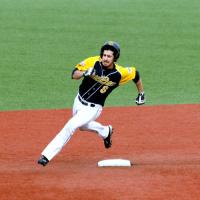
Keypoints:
(41, 41)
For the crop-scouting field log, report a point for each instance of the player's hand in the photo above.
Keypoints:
(89, 72)
(140, 100)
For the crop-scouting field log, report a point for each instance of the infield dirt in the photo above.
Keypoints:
(162, 141)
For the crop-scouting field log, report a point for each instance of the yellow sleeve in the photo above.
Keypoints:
(127, 73)
(87, 63)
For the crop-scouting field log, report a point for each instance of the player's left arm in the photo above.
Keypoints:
(130, 73)
(140, 99)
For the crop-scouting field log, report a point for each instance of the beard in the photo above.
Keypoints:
(107, 64)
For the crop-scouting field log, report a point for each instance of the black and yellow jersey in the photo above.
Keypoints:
(95, 89)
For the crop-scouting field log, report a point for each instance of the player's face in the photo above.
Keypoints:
(108, 59)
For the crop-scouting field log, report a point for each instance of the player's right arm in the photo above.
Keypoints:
(77, 74)
(84, 68)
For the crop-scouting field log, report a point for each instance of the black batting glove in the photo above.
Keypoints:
(140, 100)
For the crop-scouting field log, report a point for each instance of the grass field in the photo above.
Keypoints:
(42, 40)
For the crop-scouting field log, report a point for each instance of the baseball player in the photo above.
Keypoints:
(100, 76)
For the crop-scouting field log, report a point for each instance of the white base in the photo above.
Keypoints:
(114, 163)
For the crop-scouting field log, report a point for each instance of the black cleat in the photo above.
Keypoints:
(108, 141)
(43, 160)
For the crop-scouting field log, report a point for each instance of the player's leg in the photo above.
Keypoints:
(82, 116)
(96, 127)
(104, 132)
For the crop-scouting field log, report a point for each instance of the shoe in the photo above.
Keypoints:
(43, 160)
(108, 141)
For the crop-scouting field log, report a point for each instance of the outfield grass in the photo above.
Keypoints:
(42, 40)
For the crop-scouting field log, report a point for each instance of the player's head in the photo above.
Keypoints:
(113, 46)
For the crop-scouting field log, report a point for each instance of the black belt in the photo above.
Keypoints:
(86, 103)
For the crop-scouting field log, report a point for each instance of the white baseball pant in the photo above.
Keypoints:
(84, 117)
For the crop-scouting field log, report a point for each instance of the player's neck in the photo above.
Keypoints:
(109, 67)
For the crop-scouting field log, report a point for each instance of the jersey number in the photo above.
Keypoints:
(104, 89)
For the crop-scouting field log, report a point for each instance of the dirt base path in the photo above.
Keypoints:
(162, 141)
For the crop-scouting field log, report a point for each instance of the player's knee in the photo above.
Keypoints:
(70, 128)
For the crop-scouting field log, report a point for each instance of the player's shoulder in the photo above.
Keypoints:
(124, 70)
(87, 62)
(127, 73)
(90, 60)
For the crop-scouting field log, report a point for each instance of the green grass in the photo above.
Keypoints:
(42, 40)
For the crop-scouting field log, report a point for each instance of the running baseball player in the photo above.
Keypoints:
(100, 76)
